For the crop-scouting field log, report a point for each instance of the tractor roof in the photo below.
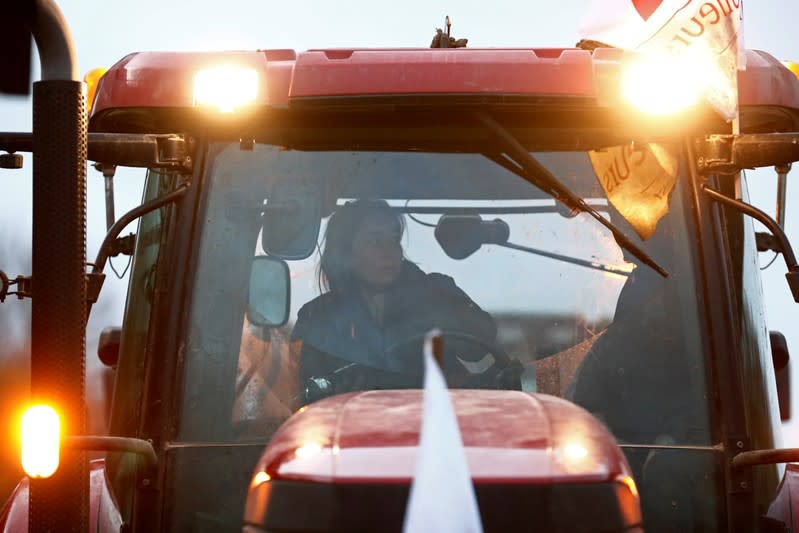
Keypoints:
(152, 80)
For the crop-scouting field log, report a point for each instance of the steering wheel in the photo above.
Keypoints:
(504, 372)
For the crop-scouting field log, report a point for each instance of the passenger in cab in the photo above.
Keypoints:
(641, 377)
(365, 331)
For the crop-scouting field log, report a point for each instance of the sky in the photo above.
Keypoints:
(106, 31)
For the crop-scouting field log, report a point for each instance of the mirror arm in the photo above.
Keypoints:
(728, 154)
(108, 172)
(109, 245)
(784, 244)
(782, 186)
(130, 216)
(168, 150)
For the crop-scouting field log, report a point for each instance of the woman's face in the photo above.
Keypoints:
(376, 250)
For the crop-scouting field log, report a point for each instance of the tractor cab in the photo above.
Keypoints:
(309, 217)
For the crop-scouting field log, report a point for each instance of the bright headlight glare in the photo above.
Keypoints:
(225, 88)
(308, 449)
(41, 430)
(575, 452)
(260, 478)
(663, 86)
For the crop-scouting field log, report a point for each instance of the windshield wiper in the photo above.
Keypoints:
(523, 164)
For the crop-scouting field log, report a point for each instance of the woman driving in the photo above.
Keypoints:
(365, 330)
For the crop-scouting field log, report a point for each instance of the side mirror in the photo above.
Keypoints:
(270, 292)
(291, 220)
(782, 372)
(108, 346)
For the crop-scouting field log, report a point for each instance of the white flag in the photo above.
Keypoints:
(442, 496)
(704, 31)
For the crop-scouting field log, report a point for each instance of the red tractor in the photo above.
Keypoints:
(308, 217)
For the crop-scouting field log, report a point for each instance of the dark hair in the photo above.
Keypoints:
(335, 268)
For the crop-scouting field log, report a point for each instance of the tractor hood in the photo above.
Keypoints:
(346, 464)
(509, 436)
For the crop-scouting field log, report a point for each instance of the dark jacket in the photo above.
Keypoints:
(338, 330)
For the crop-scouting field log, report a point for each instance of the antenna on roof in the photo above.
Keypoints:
(447, 41)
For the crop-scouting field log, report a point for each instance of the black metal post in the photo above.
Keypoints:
(58, 317)
(782, 187)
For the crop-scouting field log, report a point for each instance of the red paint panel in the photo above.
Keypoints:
(785, 506)
(14, 516)
(509, 437)
(645, 8)
(376, 72)
(766, 81)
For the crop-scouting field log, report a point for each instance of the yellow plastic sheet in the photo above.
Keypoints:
(638, 180)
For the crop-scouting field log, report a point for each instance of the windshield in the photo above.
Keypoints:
(383, 245)
(528, 294)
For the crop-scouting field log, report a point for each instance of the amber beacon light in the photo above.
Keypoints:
(41, 428)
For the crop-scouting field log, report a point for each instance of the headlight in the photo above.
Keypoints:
(225, 88)
(663, 86)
